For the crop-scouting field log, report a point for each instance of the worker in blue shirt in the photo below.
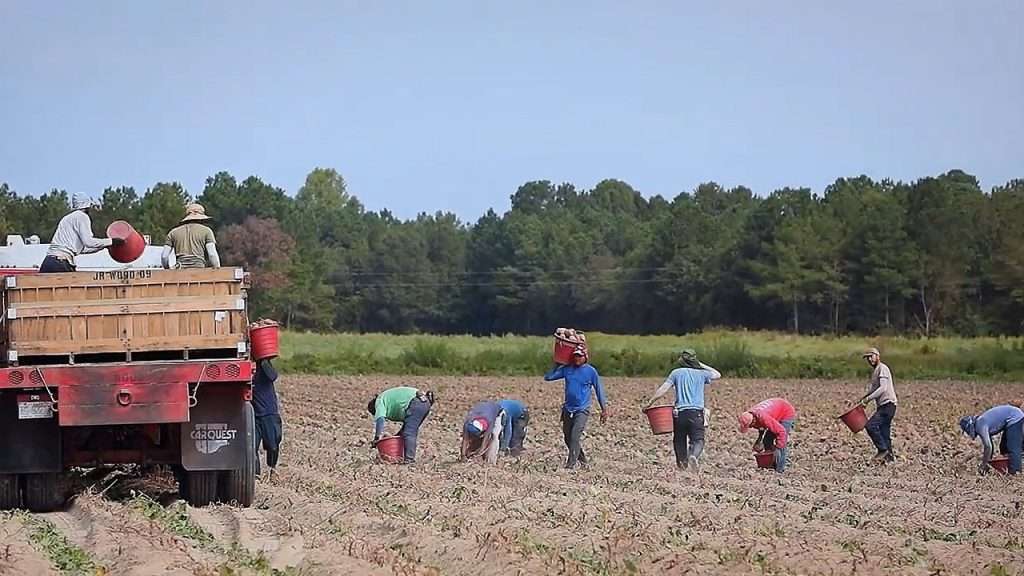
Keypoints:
(268, 414)
(1005, 419)
(517, 418)
(580, 378)
(689, 418)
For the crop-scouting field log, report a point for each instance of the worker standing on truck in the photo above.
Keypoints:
(73, 237)
(883, 392)
(269, 429)
(481, 432)
(517, 418)
(192, 242)
(1007, 420)
(404, 404)
(580, 378)
(774, 419)
(689, 417)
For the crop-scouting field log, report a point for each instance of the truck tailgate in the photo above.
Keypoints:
(125, 403)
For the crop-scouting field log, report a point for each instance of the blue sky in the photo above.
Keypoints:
(426, 106)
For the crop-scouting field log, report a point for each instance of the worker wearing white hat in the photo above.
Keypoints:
(192, 243)
(73, 237)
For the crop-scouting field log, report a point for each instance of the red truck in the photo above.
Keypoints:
(125, 366)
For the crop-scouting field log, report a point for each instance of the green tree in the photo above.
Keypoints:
(161, 209)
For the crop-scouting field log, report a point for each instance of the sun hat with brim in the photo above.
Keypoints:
(870, 352)
(195, 213)
(688, 358)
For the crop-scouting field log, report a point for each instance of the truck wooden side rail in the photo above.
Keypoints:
(149, 367)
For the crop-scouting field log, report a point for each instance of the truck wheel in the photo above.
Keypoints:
(10, 496)
(201, 487)
(42, 492)
(239, 486)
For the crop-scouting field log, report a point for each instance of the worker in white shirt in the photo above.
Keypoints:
(73, 237)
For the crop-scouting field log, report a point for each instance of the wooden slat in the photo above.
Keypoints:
(115, 308)
(44, 348)
(125, 277)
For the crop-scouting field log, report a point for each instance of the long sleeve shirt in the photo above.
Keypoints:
(514, 410)
(392, 404)
(769, 415)
(74, 236)
(264, 396)
(881, 389)
(689, 384)
(579, 381)
(992, 422)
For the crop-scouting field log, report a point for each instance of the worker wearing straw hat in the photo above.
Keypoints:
(1007, 420)
(883, 392)
(192, 243)
(774, 419)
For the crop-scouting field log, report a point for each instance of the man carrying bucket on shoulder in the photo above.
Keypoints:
(774, 418)
(882, 391)
(689, 417)
(481, 432)
(1005, 419)
(401, 404)
(580, 378)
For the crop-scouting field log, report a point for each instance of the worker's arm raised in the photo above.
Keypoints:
(557, 372)
(715, 374)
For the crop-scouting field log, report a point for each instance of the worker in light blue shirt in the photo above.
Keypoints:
(580, 378)
(517, 418)
(689, 416)
(1005, 419)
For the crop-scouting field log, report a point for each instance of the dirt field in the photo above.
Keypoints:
(332, 509)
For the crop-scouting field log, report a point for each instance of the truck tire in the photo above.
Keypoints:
(239, 486)
(200, 487)
(10, 496)
(42, 492)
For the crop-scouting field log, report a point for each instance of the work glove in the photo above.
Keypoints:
(115, 242)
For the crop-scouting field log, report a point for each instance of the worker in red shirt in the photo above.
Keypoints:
(774, 418)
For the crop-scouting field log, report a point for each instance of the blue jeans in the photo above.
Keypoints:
(879, 427)
(415, 414)
(781, 454)
(1011, 444)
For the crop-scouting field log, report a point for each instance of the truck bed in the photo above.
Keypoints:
(123, 315)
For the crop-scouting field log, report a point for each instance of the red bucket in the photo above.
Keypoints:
(563, 351)
(264, 341)
(855, 419)
(391, 449)
(660, 419)
(134, 244)
(765, 459)
(1000, 464)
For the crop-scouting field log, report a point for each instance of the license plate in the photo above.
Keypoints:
(32, 406)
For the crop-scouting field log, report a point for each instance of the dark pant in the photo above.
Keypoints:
(54, 264)
(573, 425)
(879, 427)
(1011, 443)
(687, 435)
(781, 455)
(518, 433)
(415, 414)
(269, 434)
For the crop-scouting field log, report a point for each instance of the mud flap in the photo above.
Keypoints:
(216, 436)
(31, 445)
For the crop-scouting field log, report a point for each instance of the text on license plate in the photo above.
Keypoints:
(33, 406)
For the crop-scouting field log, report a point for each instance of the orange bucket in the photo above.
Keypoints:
(1000, 464)
(391, 449)
(855, 419)
(134, 244)
(264, 340)
(765, 459)
(660, 419)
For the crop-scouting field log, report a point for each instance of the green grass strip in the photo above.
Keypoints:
(64, 555)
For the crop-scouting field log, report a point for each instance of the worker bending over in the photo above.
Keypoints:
(1007, 420)
(191, 242)
(580, 379)
(774, 419)
(401, 404)
(481, 432)
(689, 417)
(73, 237)
(517, 419)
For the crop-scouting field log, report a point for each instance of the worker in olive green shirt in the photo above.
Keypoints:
(401, 404)
(191, 242)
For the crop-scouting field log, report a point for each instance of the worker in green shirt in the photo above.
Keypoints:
(404, 404)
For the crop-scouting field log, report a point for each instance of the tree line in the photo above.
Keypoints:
(935, 256)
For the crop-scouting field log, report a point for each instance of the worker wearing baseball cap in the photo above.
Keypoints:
(73, 237)
(580, 378)
(883, 392)
(481, 432)
(774, 418)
